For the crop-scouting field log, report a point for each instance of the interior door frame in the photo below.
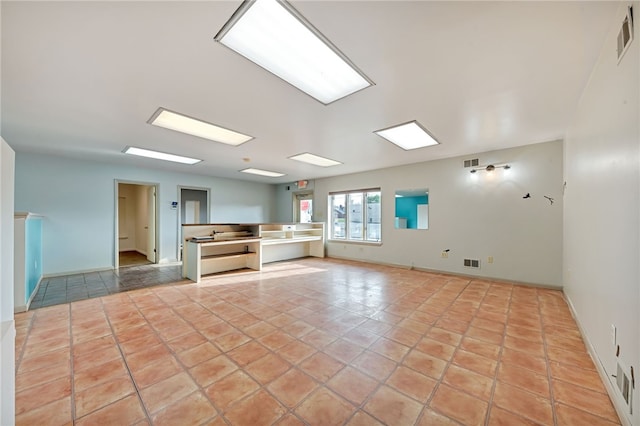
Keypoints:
(299, 196)
(116, 240)
(179, 222)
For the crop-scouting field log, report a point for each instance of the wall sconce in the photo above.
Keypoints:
(491, 167)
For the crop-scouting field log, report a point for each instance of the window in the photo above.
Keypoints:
(355, 215)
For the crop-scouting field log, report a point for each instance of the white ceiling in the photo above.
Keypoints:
(81, 79)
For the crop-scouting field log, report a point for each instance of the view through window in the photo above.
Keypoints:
(355, 215)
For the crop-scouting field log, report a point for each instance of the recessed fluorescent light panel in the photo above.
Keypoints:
(191, 126)
(160, 155)
(408, 136)
(262, 172)
(316, 160)
(275, 36)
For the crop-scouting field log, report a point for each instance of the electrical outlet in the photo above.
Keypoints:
(490, 259)
(613, 335)
(445, 255)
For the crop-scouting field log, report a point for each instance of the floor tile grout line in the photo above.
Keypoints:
(165, 343)
(241, 368)
(439, 381)
(23, 348)
(322, 384)
(457, 348)
(265, 387)
(547, 361)
(550, 376)
(222, 351)
(72, 367)
(425, 405)
(499, 360)
(124, 360)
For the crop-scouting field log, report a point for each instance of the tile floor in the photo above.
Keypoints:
(72, 288)
(315, 341)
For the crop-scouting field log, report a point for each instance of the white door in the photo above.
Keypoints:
(191, 212)
(151, 224)
(423, 216)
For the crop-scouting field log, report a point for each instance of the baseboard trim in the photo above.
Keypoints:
(451, 274)
(33, 294)
(621, 409)
(25, 308)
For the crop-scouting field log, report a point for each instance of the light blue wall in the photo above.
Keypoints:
(408, 207)
(77, 200)
(285, 194)
(33, 254)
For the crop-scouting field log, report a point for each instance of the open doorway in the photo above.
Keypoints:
(136, 230)
(194, 209)
(303, 207)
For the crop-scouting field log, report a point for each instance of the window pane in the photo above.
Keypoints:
(338, 216)
(373, 216)
(355, 216)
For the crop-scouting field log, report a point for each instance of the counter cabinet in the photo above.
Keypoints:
(212, 248)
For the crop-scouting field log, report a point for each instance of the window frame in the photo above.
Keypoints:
(365, 216)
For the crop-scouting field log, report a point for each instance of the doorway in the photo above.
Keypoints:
(136, 230)
(194, 209)
(303, 207)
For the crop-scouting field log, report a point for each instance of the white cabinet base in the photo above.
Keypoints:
(271, 243)
(203, 258)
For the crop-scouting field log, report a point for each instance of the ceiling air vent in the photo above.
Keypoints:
(625, 36)
(471, 163)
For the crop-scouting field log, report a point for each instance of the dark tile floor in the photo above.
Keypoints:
(71, 288)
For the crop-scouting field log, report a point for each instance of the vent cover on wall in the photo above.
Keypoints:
(472, 263)
(625, 36)
(625, 386)
(471, 163)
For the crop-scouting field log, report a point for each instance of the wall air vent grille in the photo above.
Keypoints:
(625, 36)
(625, 385)
(471, 163)
(472, 263)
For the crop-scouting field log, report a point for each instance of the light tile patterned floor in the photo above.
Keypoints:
(316, 341)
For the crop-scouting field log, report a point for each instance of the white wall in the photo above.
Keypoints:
(76, 199)
(474, 216)
(602, 207)
(7, 327)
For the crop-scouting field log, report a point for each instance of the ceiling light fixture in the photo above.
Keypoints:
(275, 36)
(490, 168)
(131, 150)
(259, 172)
(192, 126)
(316, 160)
(411, 135)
